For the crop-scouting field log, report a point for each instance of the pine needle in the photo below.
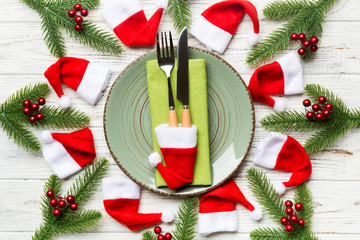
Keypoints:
(179, 12)
(187, 219)
(148, 235)
(269, 234)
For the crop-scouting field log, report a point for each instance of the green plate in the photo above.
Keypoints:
(127, 123)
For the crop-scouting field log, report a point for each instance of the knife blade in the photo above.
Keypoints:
(183, 77)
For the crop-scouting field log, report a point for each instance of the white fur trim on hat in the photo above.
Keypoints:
(256, 214)
(162, 4)
(167, 216)
(64, 101)
(279, 105)
(46, 136)
(267, 151)
(176, 137)
(279, 187)
(119, 10)
(115, 187)
(154, 159)
(218, 222)
(293, 75)
(253, 38)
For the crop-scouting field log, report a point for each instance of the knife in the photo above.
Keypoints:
(183, 77)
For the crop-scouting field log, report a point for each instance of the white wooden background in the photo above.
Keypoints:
(335, 181)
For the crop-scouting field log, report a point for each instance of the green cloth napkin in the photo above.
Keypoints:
(159, 108)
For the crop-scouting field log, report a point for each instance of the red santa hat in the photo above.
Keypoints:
(284, 153)
(88, 79)
(178, 147)
(67, 153)
(129, 23)
(217, 209)
(218, 24)
(282, 77)
(121, 201)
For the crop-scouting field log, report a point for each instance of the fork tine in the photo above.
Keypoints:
(166, 44)
(171, 46)
(157, 46)
(162, 45)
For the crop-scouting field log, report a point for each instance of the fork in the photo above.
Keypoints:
(166, 61)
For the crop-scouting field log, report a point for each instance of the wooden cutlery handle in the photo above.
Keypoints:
(173, 122)
(185, 118)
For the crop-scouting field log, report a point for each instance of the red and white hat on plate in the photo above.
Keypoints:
(122, 200)
(178, 147)
(129, 23)
(284, 153)
(67, 153)
(88, 79)
(282, 77)
(217, 209)
(218, 24)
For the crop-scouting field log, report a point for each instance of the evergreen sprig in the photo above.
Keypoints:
(275, 207)
(327, 132)
(69, 221)
(13, 121)
(53, 14)
(180, 13)
(304, 16)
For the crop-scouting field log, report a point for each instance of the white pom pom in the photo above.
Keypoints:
(167, 216)
(279, 105)
(253, 38)
(279, 187)
(256, 214)
(64, 101)
(46, 136)
(162, 4)
(154, 159)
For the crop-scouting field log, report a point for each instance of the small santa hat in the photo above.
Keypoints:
(178, 147)
(217, 209)
(67, 153)
(282, 77)
(129, 23)
(122, 200)
(284, 153)
(218, 24)
(87, 78)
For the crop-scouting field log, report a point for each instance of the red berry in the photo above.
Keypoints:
(40, 116)
(326, 113)
(301, 222)
(50, 194)
(35, 107)
(78, 27)
(74, 206)
(306, 44)
(301, 51)
(310, 115)
(289, 211)
(26, 103)
(329, 106)
(168, 236)
(293, 219)
(41, 101)
(284, 221)
(322, 99)
(56, 212)
(289, 228)
(307, 102)
(84, 12)
(26, 111)
(314, 40)
(79, 19)
(316, 107)
(72, 13)
(53, 202)
(157, 230)
(319, 117)
(298, 206)
(160, 237)
(32, 119)
(302, 37)
(78, 7)
(294, 37)
(62, 204)
(288, 203)
(313, 48)
(70, 199)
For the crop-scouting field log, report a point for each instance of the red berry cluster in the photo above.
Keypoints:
(167, 236)
(33, 107)
(293, 218)
(78, 19)
(305, 43)
(59, 202)
(320, 110)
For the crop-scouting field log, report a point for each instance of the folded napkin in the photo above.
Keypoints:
(159, 108)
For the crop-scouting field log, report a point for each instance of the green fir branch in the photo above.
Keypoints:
(52, 183)
(53, 38)
(303, 194)
(180, 13)
(78, 222)
(269, 234)
(44, 232)
(280, 10)
(186, 221)
(148, 235)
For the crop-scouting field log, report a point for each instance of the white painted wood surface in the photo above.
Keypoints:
(335, 181)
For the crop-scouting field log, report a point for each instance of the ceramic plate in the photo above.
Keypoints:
(127, 123)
